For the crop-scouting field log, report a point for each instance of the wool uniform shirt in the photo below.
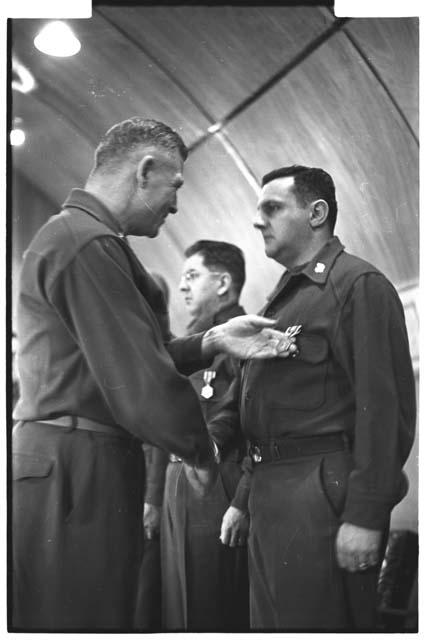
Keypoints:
(353, 374)
(93, 335)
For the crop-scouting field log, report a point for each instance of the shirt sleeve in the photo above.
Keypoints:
(241, 496)
(373, 349)
(225, 430)
(122, 345)
(224, 425)
(187, 353)
(156, 461)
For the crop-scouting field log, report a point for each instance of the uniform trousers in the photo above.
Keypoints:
(147, 616)
(77, 534)
(295, 581)
(205, 583)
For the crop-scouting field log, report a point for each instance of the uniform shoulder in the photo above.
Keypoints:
(60, 239)
(347, 270)
(67, 232)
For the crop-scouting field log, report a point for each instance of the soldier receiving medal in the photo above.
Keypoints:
(215, 578)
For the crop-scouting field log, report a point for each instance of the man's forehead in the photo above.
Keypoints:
(193, 262)
(278, 188)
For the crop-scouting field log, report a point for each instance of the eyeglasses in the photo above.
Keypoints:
(191, 276)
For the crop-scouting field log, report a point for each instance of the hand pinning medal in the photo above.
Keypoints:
(291, 333)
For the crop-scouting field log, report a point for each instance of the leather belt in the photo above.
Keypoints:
(85, 424)
(287, 448)
(173, 458)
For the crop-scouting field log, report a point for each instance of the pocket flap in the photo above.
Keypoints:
(26, 465)
(313, 348)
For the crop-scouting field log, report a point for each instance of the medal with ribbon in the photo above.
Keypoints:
(207, 391)
(291, 332)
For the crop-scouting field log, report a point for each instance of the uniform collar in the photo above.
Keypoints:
(316, 269)
(226, 313)
(81, 199)
(319, 267)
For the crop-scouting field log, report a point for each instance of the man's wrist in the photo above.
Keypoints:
(212, 342)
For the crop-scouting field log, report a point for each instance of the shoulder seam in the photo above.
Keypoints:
(75, 255)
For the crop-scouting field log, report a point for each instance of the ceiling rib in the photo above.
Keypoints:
(215, 127)
(376, 74)
(158, 64)
(239, 160)
(287, 68)
(232, 151)
(378, 77)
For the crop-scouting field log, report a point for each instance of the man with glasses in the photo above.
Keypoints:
(205, 583)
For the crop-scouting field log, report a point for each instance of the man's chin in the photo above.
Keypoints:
(269, 252)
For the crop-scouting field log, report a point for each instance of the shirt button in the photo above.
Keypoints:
(247, 395)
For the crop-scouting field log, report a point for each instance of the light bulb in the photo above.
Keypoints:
(17, 137)
(57, 39)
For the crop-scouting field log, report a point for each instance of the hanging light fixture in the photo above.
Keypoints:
(17, 137)
(57, 39)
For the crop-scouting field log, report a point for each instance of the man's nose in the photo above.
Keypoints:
(183, 284)
(174, 206)
(258, 221)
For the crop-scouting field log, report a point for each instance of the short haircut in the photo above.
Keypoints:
(310, 184)
(124, 137)
(221, 255)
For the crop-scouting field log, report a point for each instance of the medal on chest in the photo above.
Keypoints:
(207, 390)
(291, 332)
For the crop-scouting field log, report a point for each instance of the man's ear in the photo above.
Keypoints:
(225, 283)
(319, 211)
(143, 168)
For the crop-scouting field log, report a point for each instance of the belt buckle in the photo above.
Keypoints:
(255, 452)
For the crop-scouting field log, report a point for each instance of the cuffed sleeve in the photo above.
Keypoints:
(241, 496)
(224, 426)
(373, 349)
(156, 461)
(187, 353)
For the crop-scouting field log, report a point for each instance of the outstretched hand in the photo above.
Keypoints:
(249, 336)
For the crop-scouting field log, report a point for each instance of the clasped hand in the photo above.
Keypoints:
(357, 548)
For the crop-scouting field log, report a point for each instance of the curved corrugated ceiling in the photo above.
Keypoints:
(289, 85)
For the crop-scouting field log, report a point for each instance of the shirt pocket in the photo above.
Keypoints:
(26, 465)
(299, 383)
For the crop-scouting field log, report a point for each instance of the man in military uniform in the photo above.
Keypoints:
(99, 375)
(329, 428)
(205, 584)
